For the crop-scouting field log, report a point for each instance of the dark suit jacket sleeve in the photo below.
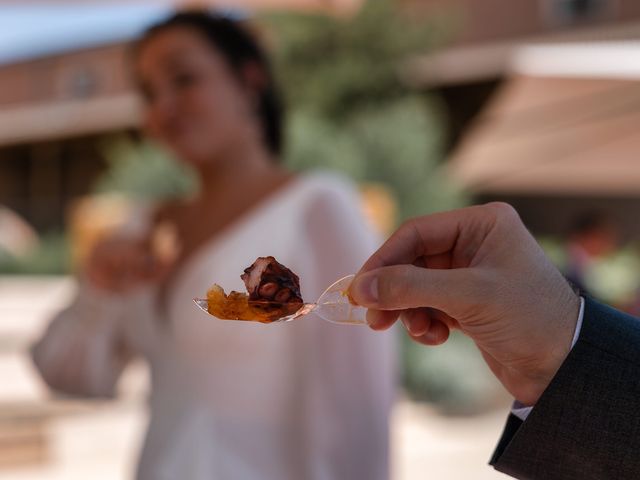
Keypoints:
(586, 425)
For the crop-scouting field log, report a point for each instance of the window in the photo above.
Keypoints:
(567, 12)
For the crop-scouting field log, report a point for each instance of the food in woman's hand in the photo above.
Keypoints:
(273, 293)
(165, 242)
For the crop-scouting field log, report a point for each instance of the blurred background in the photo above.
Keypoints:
(426, 104)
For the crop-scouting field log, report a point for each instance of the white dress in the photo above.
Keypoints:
(305, 400)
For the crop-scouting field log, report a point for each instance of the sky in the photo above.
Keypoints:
(30, 31)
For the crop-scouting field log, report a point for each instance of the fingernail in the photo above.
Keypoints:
(365, 290)
(418, 326)
(371, 319)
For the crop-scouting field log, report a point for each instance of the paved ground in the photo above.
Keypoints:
(427, 446)
(99, 441)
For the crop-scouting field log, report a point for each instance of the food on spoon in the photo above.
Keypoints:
(273, 293)
(269, 280)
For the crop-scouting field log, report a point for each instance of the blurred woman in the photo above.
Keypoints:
(230, 400)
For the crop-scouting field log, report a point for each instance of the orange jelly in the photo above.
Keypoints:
(236, 306)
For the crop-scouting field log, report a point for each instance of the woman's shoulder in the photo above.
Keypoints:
(333, 217)
(329, 196)
(324, 186)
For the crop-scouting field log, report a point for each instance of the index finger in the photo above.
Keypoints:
(431, 235)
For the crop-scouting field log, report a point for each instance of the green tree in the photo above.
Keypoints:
(143, 170)
(350, 110)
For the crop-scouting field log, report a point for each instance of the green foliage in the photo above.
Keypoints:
(394, 143)
(336, 65)
(349, 108)
(51, 257)
(453, 376)
(612, 279)
(143, 170)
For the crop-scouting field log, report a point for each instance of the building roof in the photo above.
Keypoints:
(566, 123)
(485, 57)
(68, 118)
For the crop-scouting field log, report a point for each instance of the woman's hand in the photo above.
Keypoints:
(477, 269)
(120, 264)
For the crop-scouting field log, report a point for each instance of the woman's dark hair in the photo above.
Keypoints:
(239, 48)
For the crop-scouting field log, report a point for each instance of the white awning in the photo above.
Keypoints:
(555, 136)
(600, 51)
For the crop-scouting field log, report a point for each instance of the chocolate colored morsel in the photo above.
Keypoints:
(268, 280)
(283, 295)
(268, 290)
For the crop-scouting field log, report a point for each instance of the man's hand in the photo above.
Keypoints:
(479, 270)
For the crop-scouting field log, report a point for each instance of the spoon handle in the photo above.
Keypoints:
(335, 306)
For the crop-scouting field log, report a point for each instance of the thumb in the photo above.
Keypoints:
(400, 287)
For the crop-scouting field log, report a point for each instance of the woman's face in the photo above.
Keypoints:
(194, 103)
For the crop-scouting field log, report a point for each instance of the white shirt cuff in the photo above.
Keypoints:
(522, 411)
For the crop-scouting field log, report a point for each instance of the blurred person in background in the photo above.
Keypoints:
(306, 400)
(593, 235)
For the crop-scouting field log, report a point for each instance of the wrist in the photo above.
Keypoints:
(560, 340)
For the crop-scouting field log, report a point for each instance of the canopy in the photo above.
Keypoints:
(555, 136)
(45, 121)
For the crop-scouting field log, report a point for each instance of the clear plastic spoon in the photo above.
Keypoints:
(333, 306)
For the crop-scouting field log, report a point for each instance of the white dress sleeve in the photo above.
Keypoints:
(349, 370)
(83, 351)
